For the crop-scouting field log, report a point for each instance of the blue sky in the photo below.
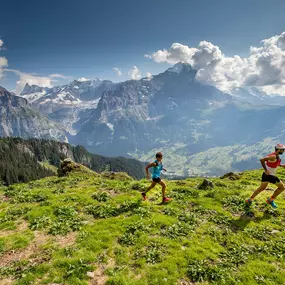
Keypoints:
(88, 38)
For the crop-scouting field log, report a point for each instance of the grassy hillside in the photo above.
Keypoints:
(87, 229)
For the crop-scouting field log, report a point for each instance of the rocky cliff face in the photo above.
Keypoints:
(67, 104)
(144, 114)
(17, 118)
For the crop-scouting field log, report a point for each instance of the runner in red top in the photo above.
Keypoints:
(270, 164)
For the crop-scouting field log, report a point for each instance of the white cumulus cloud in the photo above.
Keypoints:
(83, 79)
(117, 71)
(176, 53)
(135, 73)
(3, 61)
(42, 81)
(264, 67)
(32, 79)
(61, 76)
(148, 75)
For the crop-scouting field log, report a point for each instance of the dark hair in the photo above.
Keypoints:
(158, 154)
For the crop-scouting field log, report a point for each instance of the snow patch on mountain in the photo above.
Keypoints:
(177, 68)
(34, 96)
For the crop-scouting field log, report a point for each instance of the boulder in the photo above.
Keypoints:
(68, 166)
(206, 184)
(232, 176)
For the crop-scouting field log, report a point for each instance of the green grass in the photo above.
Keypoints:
(47, 165)
(82, 223)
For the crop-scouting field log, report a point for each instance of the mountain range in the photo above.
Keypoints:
(201, 130)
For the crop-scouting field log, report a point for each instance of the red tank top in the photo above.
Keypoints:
(274, 164)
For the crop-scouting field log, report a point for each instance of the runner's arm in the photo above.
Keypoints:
(267, 158)
(149, 166)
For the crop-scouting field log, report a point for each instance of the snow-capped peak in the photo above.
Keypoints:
(28, 89)
(178, 67)
(82, 79)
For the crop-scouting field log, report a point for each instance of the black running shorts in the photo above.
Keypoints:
(157, 179)
(270, 178)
